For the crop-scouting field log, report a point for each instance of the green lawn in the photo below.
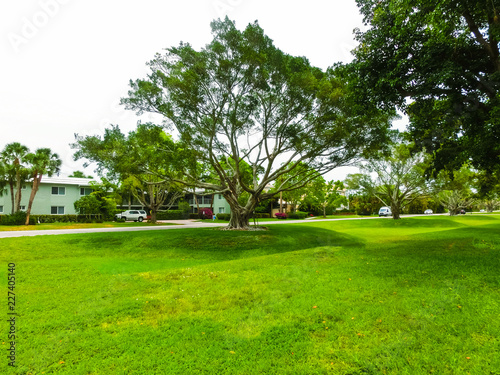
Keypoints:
(107, 224)
(414, 296)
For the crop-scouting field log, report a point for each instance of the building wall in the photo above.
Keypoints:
(220, 205)
(45, 200)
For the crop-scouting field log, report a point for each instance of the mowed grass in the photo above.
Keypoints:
(107, 224)
(414, 296)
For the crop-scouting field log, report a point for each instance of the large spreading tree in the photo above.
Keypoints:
(399, 178)
(145, 161)
(242, 99)
(438, 61)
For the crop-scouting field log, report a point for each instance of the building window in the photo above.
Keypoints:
(221, 210)
(58, 190)
(220, 196)
(86, 191)
(23, 187)
(22, 208)
(57, 210)
(1, 209)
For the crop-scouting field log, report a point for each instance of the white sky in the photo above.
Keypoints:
(66, 63)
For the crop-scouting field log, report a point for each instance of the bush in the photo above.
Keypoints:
(280, 215)
(170, 215)
(43, 219)
(194, 216)
(261, 215)
(206, 213)
(297, 215)
(223, 217)
(18, 218)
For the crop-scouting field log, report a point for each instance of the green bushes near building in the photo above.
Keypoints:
(171, 215)
(19, 218)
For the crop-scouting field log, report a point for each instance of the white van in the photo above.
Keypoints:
(384, 211)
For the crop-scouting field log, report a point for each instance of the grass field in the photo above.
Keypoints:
(107, 224)
(414, 296)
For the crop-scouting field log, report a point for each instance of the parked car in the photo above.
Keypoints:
(428, 212)
(134, 215)
(384, 211)
(462, 212)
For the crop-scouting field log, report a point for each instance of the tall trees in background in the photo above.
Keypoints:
(241, 98)
(399, 178)
(439, 62)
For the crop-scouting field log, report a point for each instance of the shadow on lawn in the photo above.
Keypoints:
(212, 245)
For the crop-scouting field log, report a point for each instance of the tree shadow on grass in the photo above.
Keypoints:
(212, 245)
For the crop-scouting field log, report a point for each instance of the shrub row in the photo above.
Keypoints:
(297, 215)
(67, 218)
(19, 218)
(172, 215)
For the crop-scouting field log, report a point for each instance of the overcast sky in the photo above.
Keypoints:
(65, 64)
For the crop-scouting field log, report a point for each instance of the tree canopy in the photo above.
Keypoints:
(399, 178)
(145, 161)
(240, 98)
(439, 63)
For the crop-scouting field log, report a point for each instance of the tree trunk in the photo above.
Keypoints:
(153, 216)
(240, 215)
(34, 190)
(396, 212)
(11, 185)
(240, 218)
(18, 192)
(196, 202)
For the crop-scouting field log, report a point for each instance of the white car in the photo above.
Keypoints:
(135, 215)
(428, 212)
(384, 211)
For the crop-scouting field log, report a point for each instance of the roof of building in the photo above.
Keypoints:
(67, 181)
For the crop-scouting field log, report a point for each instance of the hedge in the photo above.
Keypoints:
(67, 218)
(297, 215)
(172, 215)
(19, 218)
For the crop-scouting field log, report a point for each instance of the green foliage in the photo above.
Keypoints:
(323, 197)
(88, 205)
(79, 174)
(400, 178)
(364, 203)
(444, 57)
(172, 215)
(145, 161)
(241, 103)
(297, 215)
(223, 217)
(17, 218)
(184, 206)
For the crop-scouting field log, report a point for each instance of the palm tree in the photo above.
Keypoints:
(3, 178)
(42, 161)
(13, 156)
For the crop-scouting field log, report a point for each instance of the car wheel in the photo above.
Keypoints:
(140, 220)
(124, 218)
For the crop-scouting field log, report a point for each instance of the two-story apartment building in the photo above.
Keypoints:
(55, 196)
